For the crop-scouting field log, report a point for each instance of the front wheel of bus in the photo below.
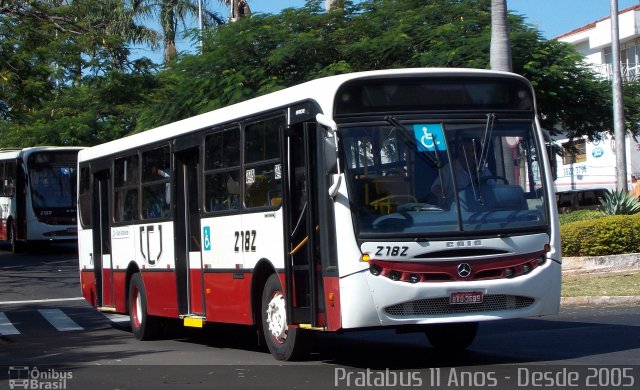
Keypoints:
(284, 343)
(144, 326)
(452, 337)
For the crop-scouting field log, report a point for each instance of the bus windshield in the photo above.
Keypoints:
(52, 179)
(439, 178)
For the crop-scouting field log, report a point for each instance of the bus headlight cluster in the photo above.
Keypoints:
(433, 273)
(523, 269)
(394, 275)
(413, 278)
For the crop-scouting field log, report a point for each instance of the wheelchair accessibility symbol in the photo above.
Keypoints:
(206, 238)
(429, 137)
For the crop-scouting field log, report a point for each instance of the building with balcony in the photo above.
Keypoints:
(586, 166)
(593, 41)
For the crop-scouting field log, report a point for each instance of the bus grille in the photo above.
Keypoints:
(435, 306)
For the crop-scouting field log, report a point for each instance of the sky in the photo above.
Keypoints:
(551, 17)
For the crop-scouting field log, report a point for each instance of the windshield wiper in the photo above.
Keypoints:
(486, 137)
(484, 152)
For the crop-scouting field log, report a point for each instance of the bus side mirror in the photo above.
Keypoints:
(553, 160)
(330, 155)
(553, 150)
(331, 152)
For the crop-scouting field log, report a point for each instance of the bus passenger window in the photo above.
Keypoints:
(84, 191)
(156, 184)
(222, 170)
(125, 188)
(263, 186)
(222, 191)
(262, 168)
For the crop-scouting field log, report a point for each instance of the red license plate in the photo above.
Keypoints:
(466, 298)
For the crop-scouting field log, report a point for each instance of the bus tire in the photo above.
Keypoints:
(453, 337)
(283, 342)
(143, 326)
(13, 240)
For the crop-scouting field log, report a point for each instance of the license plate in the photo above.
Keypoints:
(466, 298)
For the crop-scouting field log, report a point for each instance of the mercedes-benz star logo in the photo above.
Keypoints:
(464, 269)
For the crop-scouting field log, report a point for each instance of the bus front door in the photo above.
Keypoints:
(303, 269)
(102, 242)
(189, 269)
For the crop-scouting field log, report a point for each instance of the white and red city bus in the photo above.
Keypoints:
(38, 195)
(415, 199)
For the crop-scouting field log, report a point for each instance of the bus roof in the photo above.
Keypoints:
(320, 90)
(8, 154)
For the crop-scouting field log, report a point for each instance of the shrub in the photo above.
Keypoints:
(605, 236)
(619, 203)
(580, 215)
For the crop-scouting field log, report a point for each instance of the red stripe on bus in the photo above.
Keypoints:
(195, 287)
(120, 296)
(88, 284)
(3, 230)
(228, 299)
(332, 286)
(106, 287)
(161, 293)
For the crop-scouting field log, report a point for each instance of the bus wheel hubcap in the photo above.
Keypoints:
(138, 309)
(277, 317)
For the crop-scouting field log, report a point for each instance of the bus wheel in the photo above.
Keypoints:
(453, 337)
(13, 241)
(284, 343)
(144, 326)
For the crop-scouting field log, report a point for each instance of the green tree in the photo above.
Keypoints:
(56, 58)
(170, 14)
(267, 52)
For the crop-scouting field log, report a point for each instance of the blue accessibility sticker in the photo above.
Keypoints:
(429, 137)
(206, 238)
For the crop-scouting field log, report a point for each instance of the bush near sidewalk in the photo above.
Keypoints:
(612, 235)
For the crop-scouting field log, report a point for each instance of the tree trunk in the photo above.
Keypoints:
(168, 20)
(500, 46)
(239, 9)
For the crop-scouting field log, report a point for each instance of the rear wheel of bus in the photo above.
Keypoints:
(452, 337)
(283, 342)
(13, 240)
(144, 326)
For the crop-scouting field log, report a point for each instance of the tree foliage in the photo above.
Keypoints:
(269, 52)
(60, 63)
(66, 88)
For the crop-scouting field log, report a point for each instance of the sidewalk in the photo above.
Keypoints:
(601, 264)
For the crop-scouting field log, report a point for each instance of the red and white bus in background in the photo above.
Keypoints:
(38, 195)
(415, 199)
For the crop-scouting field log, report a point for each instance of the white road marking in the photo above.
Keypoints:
(42, 300)
(115, 317)
(6, 327)
(59, 320)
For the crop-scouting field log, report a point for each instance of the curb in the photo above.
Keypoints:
(600, 301)
(598, 264)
